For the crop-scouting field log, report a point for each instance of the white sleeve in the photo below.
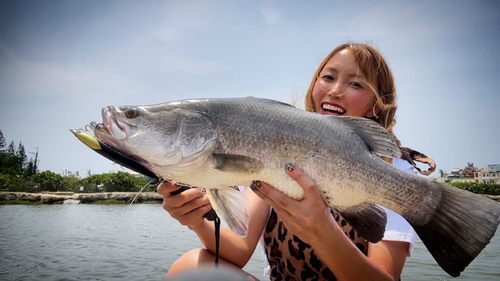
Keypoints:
(397, 228)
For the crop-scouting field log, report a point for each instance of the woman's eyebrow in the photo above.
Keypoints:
(351, 74)
(329, 68)
(355, 75)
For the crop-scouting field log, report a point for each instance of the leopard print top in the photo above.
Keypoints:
(292, 259)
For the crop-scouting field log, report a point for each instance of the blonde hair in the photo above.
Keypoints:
(378, 77)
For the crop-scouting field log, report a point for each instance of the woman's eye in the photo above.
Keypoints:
(327, 77)
(356, 85)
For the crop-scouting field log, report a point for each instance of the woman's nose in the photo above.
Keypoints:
(335, 90)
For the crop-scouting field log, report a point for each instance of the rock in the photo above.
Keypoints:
(71, 201)
(83, 198)
(51, 199)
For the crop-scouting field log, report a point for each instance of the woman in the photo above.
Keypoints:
(305, 239)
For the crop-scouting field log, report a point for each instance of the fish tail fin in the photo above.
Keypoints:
(461, 226)
(232, 206)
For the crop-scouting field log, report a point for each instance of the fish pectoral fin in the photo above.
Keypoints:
(376, 137)
(232, 206)
(236, 163)
(368, 220)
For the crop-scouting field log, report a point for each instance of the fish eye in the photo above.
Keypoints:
(130, 113)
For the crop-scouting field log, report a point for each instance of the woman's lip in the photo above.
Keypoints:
(323, 112)
(331, 103)
(332, 112)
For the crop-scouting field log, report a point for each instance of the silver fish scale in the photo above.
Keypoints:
(328, 151)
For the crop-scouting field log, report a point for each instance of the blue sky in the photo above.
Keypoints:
(62, 61)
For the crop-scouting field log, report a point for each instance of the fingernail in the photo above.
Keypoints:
(165, 181)
(254, 189)
(178, 184)
(257, 184)
(289, 167)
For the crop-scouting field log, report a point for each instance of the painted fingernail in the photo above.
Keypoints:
(254, 188)
(289, 167)
(257, 184)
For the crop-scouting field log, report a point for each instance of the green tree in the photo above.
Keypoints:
(30, 169)
(71, 183)
(10, 148)
(480, 188)
(123, 181)
(441, 173)
(10, 162)
(14, 167)
(120, 181)
(91, 182)
(3, 143)
(12, 183)
(49, 181)
(21, 154)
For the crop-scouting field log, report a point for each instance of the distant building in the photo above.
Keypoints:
(490, 174)
(494, 168)
(462, 179)
(478, 176)
(459, 175)
(457, 172)
(469, 170)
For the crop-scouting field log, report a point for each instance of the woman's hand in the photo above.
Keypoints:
(188, 207)
(305, 218)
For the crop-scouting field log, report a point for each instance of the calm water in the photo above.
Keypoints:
(64, 242)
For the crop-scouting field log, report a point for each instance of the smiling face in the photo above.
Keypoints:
(341, 90)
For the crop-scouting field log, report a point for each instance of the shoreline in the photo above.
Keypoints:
(494, 197)
(28, 198)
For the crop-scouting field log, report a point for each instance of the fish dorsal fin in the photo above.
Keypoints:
(376, 137)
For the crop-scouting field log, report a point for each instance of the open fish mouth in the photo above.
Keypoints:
(92, 127)
(112, 125)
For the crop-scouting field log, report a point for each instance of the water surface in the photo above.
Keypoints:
(65, 242)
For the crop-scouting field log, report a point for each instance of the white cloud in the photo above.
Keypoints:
(166, 35)
(179, 17)
(415, 21)
(25, 77)
(272, 16)
(126, 76)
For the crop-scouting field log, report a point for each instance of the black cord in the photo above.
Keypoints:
(217, 240)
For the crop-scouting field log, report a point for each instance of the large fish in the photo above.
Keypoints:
(218, 143)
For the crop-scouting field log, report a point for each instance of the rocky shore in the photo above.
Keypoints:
(494, 197)
(83, 198)
(89, 198)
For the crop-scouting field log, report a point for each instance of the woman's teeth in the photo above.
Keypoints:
(332, 108)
